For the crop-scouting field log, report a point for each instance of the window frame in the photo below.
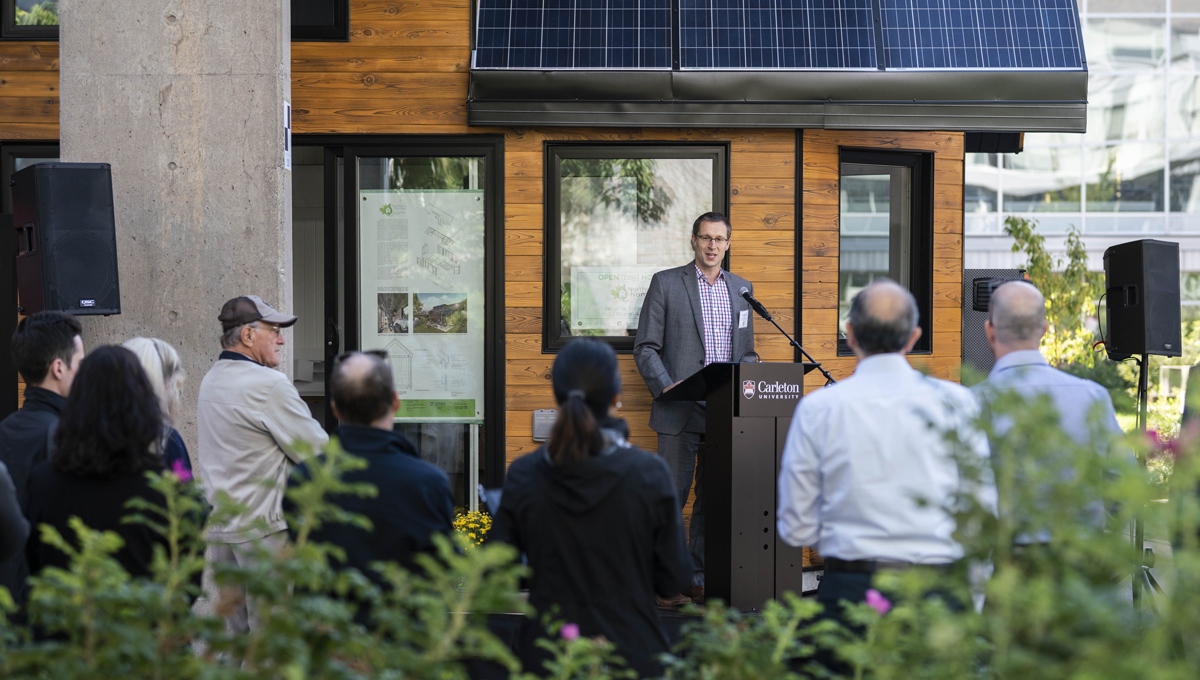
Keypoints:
(554, 153)
(921, 232)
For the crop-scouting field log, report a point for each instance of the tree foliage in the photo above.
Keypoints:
(1071, 291)
(43, 14)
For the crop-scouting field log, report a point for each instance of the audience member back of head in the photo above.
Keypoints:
(166, 374)
(104, 445)
(1014, 328)
(414, 501)
(47, 350)
(597, 518)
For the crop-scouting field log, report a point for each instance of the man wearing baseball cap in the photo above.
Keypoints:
(251, 421)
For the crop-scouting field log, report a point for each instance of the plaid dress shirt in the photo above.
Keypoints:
(718, 317)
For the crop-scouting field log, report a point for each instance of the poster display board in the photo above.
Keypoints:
(422, 297)
(609, 298)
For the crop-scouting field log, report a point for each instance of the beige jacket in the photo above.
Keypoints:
(250, 419)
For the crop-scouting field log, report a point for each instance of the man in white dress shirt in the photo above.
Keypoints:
(861, 454)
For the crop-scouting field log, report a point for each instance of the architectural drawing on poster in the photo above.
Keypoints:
(401, 359)
(430, 231)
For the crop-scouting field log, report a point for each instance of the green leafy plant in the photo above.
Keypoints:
(724, 643)
(574, 657)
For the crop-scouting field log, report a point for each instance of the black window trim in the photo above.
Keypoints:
(554, 152)
(921, 263)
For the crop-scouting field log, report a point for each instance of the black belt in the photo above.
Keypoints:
(833, 565)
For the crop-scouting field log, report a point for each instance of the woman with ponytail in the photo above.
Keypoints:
(597, 519)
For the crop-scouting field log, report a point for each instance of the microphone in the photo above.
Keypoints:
(755, 304)
(762, 311)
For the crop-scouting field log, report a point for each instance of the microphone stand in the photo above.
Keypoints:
(762, 311)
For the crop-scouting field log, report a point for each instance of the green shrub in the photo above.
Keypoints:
(1052, 569)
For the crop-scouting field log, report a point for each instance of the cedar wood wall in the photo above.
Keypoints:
(404, 71)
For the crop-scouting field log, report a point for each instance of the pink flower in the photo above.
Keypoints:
(569, 631)
(878, 602)
(181, 472)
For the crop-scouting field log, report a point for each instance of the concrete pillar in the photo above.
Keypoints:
(185, 99)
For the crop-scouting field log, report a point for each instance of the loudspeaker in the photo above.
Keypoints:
(1141, 281)
(978, 285)
(66, 241)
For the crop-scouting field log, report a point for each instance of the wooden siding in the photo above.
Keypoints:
(28, 91)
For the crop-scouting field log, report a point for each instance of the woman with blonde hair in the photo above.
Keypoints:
(165, 371)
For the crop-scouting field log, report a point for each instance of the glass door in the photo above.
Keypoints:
(417, 276)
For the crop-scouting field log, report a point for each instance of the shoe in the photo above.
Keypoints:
(695, 594)
(672, 603)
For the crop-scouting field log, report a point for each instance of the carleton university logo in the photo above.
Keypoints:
(748, 389)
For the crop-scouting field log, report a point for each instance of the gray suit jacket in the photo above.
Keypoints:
(670, 338)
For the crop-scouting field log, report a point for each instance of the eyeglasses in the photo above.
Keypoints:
(274, 329)
(380, 353)
(719, 240)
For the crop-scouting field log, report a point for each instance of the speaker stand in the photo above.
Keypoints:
(1140, 579)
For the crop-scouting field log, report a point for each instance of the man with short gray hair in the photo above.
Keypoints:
(1014, 328)
(861, 455)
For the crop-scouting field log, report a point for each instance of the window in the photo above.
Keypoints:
(30, 19)
(886, 229)
(615, 216)
(323, 20)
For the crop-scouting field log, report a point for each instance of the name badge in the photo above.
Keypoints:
(743, 318)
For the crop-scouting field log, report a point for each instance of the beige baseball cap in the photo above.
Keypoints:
(248, 308)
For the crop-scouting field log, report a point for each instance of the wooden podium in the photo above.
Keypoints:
(749, 409)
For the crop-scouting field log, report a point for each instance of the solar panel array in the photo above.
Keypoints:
(984, 34)
(574, 34)
(777, 34)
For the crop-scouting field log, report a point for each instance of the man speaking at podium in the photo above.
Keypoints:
(693, 315)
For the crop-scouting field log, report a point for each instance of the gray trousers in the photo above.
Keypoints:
(241, 613)
(681, 453)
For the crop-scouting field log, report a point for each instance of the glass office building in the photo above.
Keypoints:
(1134, 174)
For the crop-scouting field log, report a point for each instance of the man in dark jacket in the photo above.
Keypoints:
(46, 349)
(414, 500)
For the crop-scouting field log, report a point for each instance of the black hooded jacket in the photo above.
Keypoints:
(23, 445)
(603, 536)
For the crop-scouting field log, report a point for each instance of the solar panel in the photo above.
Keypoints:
(984, 34)
(776, 34)
(573, 34)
